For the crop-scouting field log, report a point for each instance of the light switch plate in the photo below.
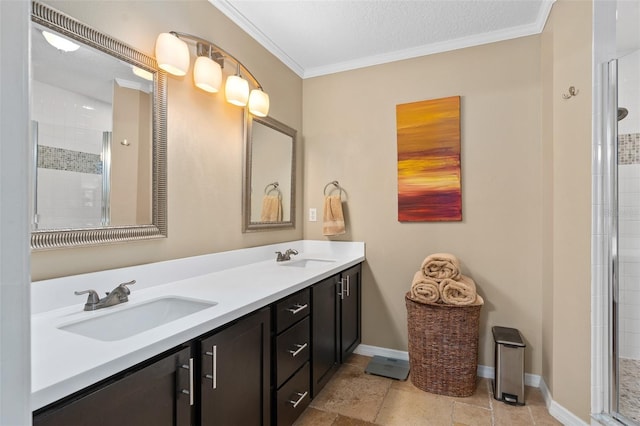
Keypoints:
(313, 215)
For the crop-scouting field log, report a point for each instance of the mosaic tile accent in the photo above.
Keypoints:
(629, 148)
(68, 160)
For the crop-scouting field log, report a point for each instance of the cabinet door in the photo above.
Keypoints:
(324, 318)
(235, 373)
(151, 395)
(350, 315)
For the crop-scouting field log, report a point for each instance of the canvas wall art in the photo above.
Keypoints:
(428, 136)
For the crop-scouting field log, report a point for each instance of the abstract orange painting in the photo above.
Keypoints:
(429, 160)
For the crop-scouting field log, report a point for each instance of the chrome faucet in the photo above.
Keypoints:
(286, 256)
(114, 297)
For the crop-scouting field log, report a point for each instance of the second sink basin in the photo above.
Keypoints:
(306, 263)
(132, 320)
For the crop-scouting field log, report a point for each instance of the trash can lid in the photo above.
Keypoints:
(507, 336)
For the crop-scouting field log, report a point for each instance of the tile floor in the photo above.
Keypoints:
(353, 398)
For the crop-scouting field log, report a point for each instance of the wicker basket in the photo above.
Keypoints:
(443, 347)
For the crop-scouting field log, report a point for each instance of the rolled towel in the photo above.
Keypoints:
(423, 289)
(333, 217)
(271, 209)
(459, 292)
(440, 266)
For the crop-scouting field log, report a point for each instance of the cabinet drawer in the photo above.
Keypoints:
(291, 310)
(293, 397)
(292, 350)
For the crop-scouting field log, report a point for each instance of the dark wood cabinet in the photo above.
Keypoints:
(350, 311)
(336, 324)
(325, 319)
(149, 394)
(235, 373)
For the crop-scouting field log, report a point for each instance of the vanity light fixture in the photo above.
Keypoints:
(172, 55)
(60, 43)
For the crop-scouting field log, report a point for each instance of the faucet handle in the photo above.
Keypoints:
(92, 299)
(124, 287)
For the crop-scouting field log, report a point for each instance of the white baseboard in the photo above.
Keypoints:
(563, 415)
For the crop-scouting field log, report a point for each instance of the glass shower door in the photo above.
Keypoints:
(627, 292)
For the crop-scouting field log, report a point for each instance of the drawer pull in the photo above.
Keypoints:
(190, 391)
(297, 308)
(297, 351)
(301, 397)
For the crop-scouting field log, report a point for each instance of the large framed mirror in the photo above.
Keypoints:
(99, 136)
(269, 175)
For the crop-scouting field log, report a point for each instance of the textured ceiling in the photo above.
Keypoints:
(317, 37)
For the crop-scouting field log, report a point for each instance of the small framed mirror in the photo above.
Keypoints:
(99, 136)
(269, 175)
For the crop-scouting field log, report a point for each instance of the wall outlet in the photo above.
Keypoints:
(313, 215)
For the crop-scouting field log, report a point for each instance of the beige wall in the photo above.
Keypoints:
(567, 131)
(205, 138)
(350, 136)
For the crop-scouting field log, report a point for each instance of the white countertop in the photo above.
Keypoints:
(240, 281)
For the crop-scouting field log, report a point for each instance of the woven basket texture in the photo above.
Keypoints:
(443, 347)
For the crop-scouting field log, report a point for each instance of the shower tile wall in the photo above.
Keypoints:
(69, 180)
(629, 205)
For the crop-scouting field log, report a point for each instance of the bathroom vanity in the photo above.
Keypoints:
(253, 340)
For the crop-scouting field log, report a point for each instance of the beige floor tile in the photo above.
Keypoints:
(533, 396)
(482, 395)
(471, 415)
(511, 415)
(313, 417)
(356, 360)
(353, 393)
(348, 421)
(402, 408)
(405, 385)
(541, 416)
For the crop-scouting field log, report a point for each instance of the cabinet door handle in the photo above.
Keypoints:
(214, 366)
(297, 308)
(190, 391)
(341, 292)
(301, 397)
(297, 351)
(348, 284)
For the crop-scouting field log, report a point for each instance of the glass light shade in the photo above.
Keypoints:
(172, 54)
(258, 103)
(237, 90)
(207, 74)
(60, 43)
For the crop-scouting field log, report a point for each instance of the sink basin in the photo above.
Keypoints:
(128, 322)
(307, 263)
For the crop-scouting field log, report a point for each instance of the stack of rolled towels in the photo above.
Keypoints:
(439, 280)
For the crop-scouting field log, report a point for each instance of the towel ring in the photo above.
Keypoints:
(335, 184)
(275, 186)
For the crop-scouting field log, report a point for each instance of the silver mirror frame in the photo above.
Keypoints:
(247, 224)
(66, 238)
